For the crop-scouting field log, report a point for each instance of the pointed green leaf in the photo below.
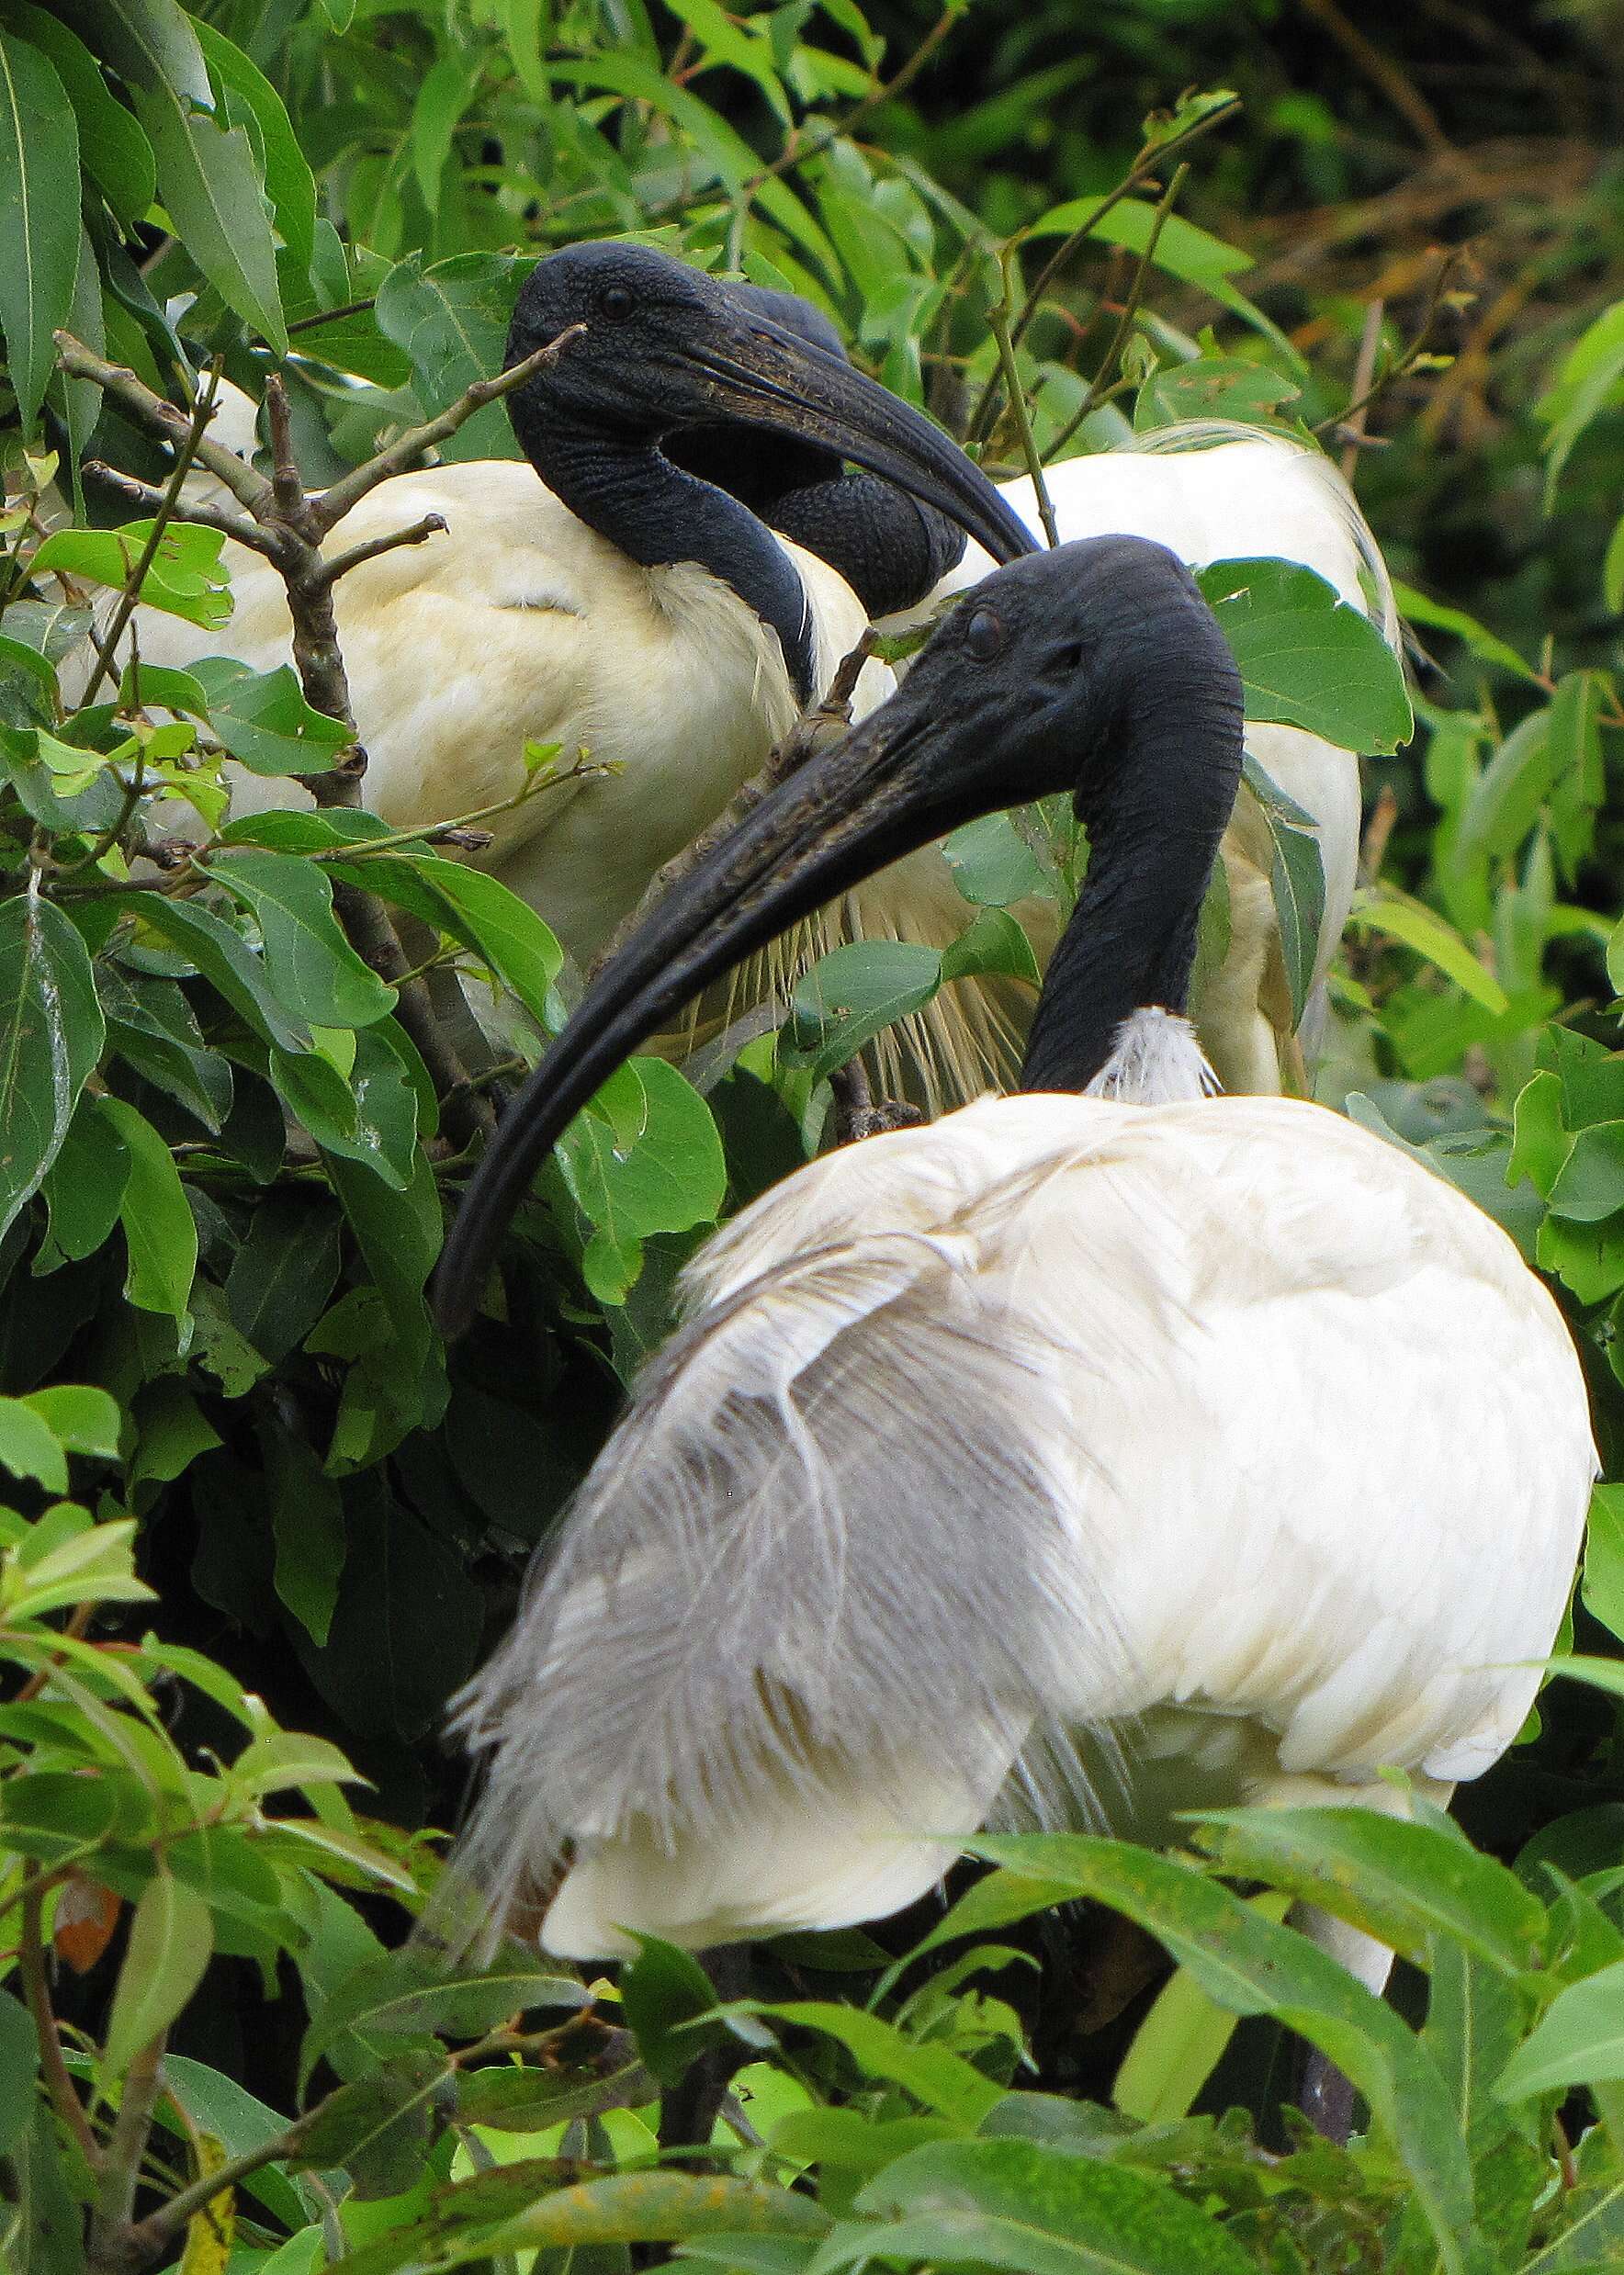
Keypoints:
(39, 216)
(171, 1938)
(1305, 658)
(52, 1034)
(159, 1230)
(313, 968)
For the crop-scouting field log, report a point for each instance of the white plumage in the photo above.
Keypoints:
(1155, 1394)
(1107, 1450)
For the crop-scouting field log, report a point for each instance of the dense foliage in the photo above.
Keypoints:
(263, 1524)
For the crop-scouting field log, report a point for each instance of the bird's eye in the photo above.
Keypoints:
(616, 302)
(983, 636)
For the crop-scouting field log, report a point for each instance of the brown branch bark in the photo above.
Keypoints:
(58, 2084)
(112, 2251)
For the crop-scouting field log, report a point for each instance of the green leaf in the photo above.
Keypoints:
(159, 1231)
(851, 994)
(1036, 2210)
(653, 2207)
(264, 720)
(84, 1419)
(1305, 658)
(1180, 2041)
(116, 153)
(444, 93)
(1393, 915)
(992, 864)
(1401, 1882)
(171, 1938)
(207, 173)
(645, 1157)
(288, 176)
(29, 1447)
(1481, 642)
(1255, 1967)
(410, 1994)
(1212, 387)
(151, 1026)
(370, 1119)
(664, 1992)
(39, 216)
(185, 577)
(1578, 2041)
(399, 1236)
(283, 1274)
(1602, 1583)
(1297, 881)
(225, 959)
(451, 320)
(52, 1034)
(312, 967)
(939, 2078)
(1593, 369)
(307, 1517)
(19, 2065)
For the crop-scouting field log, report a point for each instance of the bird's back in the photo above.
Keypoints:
(1055, 1414)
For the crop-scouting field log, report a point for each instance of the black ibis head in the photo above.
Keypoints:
(667, 348)
(1095, 669)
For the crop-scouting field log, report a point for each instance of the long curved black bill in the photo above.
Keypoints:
(761, 373)
(875, 796)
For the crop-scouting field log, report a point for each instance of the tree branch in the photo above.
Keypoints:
(341, 564)
(161, 418)
(58, 2084)
(403, 454)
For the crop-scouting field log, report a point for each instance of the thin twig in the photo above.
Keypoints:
(1364, 374)
(124, 607)
(1148, 161)
(111, 2247)
(147, 2238)
(1381, 70)
(999, 320)
(58, 2083)
(1403, 363)
(330, 316)
(208, 515)
(403, 454)
(340, 564)
(249, 489)
(1099, 390)
(79, 1619)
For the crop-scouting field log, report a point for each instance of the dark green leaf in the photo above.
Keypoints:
(19, 2063)
(370, 1119)
(992, 864)
(159, 1230)
(116, 153)
(283, 1274)
(411, 1994)
(645, 1157)
(1604, 1558)
(664, 1991)
(378, 2127)
(150, 1025)
(854, 991)
(51, 1036)
(307, 1515)
(39, 216)
(287, 177)
(407, 1625)
(84, 1185)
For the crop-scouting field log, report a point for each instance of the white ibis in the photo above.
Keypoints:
(620, 603)
(1113, 1409)
(1210, 489)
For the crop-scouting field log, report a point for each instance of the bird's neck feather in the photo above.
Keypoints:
(1131, 943)
(657, 514)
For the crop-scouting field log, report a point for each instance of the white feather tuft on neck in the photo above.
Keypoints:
(1155, 1061)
